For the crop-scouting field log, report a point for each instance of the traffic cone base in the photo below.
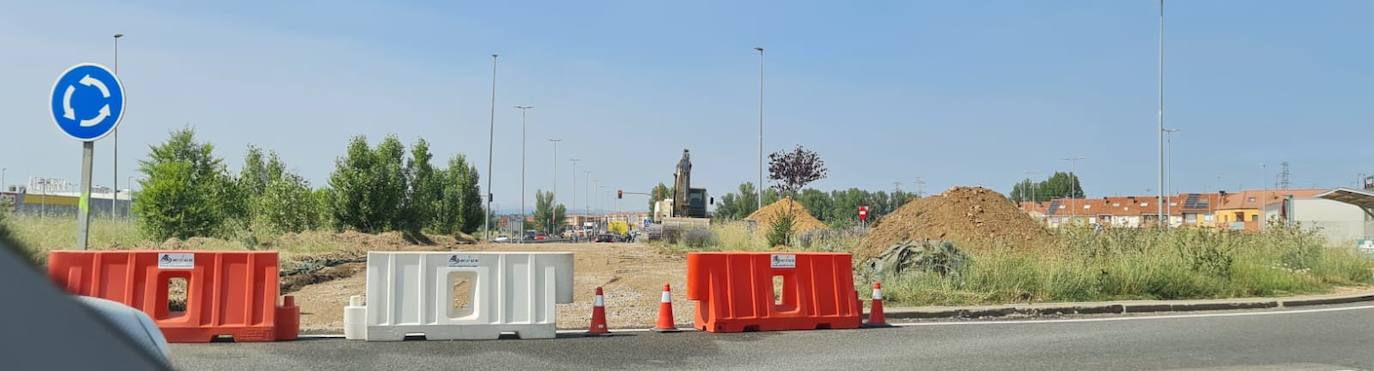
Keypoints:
(665, 312)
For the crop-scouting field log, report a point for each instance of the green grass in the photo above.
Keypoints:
(39, 235)
(1115, 264)
(1142, 264)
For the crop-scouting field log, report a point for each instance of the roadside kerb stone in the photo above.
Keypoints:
(1130, 306)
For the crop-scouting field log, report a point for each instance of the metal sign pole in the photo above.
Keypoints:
(83, 213)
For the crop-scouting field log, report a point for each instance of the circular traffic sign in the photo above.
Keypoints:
(87, 101)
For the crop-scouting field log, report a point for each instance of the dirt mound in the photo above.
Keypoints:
(967, 216)
(803, 223)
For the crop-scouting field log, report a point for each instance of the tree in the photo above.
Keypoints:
(816, 202)
(460, 200)
(792, 171)
(471, 205)
(187, 191)
(288, 205)
(392, 188)
(422, 199)
(352, 183)
(1059, 185)
(548, 217)
(369, 186)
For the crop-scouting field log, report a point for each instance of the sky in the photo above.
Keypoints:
(949, 92)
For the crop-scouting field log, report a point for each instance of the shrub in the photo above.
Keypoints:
(780, 233)
(187, 192)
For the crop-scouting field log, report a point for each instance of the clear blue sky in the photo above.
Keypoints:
(957, 93)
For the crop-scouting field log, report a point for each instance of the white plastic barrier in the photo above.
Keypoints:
(460, 295)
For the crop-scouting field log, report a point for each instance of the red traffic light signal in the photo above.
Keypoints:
(619, 194)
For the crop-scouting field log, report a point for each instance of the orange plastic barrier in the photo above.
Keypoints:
(226, 293)
(734, 291)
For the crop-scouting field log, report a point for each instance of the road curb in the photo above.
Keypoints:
(1049, 309)
(1329, 300)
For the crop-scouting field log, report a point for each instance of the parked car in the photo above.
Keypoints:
(541, 237)
(606, 237)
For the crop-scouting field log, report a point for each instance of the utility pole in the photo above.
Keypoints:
(491, 145)
(553, 198)
(523, 110)
(114, 197)
(760, 186)
(1161, 117)
(920, 187)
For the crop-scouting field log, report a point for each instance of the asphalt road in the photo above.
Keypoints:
(1317, 338)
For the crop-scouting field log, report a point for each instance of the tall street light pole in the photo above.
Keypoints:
(491, 144)
(1073, 188)
(553, 198)
(587, 191)
(760, 185)
(523, 110)
(1161, 115)
(114, 198)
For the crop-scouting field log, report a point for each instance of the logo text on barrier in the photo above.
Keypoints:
(783, 261)
(176, 260)
(462, 261)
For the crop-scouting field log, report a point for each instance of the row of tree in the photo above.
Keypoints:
(1059, 185)
(837, 208)
(188, 191)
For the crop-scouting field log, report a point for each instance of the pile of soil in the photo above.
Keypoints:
(971, 217)
(802, 223)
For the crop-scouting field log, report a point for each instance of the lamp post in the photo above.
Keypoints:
(587, 191)
(760, 185)
(1161, 114)
(491, 145)
(114, 198)
(553, 198)
(523, 110)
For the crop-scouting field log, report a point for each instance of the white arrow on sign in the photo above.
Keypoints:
(104, 112)
(70, 114)
(67, 103)
(88, 81)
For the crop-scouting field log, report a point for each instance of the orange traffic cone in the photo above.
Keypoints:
(598, 327)
(875, 311)
(665, 312)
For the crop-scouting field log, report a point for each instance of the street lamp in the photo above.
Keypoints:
(760, 186)
(491, 150)
(114, 198)
(1161, 113)
(587, 191)
(523, 110)
(553, 198)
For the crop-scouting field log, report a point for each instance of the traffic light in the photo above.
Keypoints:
(619, 194)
